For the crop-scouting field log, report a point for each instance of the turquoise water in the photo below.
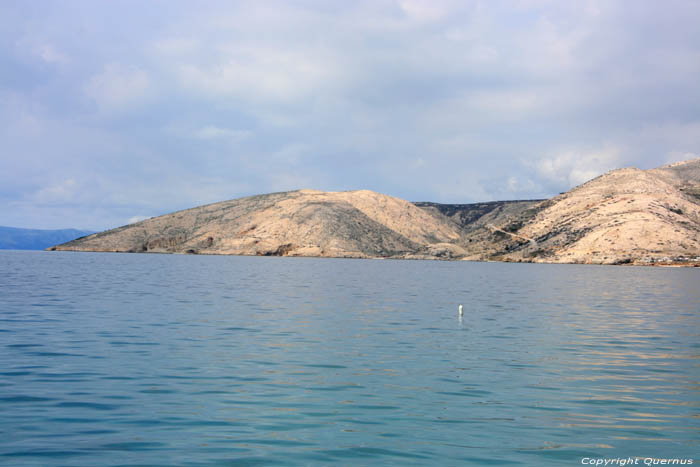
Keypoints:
(128, 359)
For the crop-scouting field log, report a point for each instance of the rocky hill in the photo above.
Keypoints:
(357, 224)
(627, 216)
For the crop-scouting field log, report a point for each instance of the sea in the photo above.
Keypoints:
(166, 360)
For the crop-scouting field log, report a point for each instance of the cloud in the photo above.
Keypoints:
(57, 193)
(677, 156)
(441, 100)
(118, 86)
(212, 133)
(498, 105)
(568, 168)
(135, 219)
(49, 54)
(252, 72)
(176, 46)
(422, 10)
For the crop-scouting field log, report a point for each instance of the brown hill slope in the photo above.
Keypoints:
(360, 224)
(625, 216)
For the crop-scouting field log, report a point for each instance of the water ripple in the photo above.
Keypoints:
(193, 360)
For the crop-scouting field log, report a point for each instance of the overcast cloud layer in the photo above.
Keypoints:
(115, 111)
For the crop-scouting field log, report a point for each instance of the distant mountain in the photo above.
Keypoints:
(12, 238)
(627, 216)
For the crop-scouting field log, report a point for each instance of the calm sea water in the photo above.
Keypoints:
(127, 359)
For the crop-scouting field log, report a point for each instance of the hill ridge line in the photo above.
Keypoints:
(625, 216)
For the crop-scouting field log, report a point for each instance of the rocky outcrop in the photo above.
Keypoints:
(627, 216)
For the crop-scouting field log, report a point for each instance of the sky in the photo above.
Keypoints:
(115, 111)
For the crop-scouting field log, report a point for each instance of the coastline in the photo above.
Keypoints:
(650, 262)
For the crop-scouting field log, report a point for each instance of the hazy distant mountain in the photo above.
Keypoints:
(625, 216)
(12, 238)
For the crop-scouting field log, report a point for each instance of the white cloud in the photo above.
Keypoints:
(60, 192)
(504, 104)
(133, 220)
(176, 46)
(422, 10)
(118, 86)
(37, 45)
(256, 72)
(519, 187)
(568, 168)
(440, 100)
(49, 54)
(678, 156)
(212, 133)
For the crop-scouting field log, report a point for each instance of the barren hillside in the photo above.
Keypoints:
(627, 216)
(360, 224)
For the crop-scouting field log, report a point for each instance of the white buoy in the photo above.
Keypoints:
(461, 310)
